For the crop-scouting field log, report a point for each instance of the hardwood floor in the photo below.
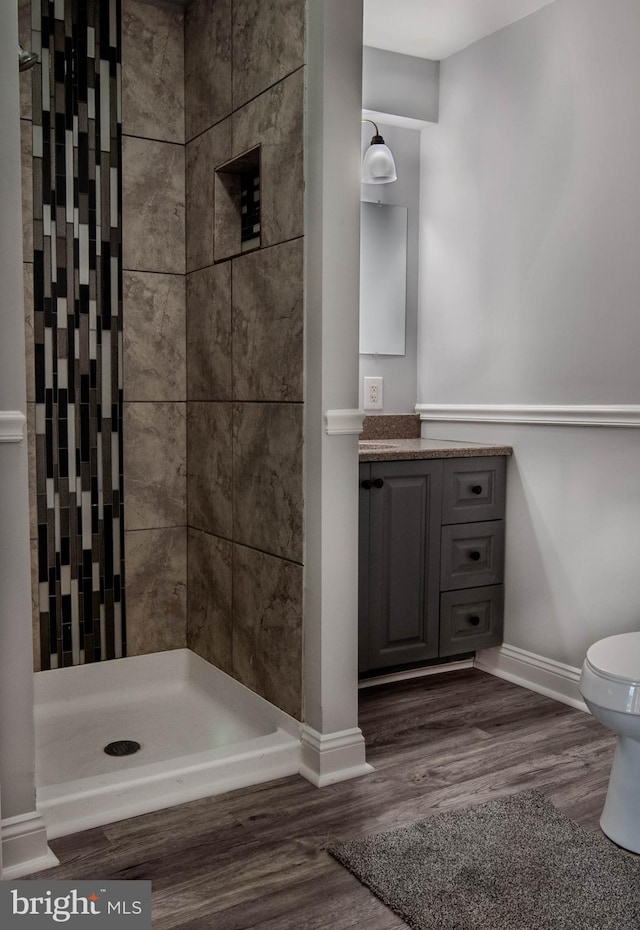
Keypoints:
(256, 858)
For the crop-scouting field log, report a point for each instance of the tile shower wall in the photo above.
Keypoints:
(73, 288)
(148, 357)
(155, 374)
(244, 76)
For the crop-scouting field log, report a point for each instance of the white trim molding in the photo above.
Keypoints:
(626, 415)
(415, 673)
(328, 758)
(24, 846)
(537, 673)
(12, 424)
(344, 422)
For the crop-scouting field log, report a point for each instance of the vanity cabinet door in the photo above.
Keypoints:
(399, 615)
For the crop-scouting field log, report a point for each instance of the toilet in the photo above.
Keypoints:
(610, 686)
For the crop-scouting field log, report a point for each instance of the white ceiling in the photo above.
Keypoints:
(438, 28)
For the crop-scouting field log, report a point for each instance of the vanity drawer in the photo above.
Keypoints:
(473, 489)
(472, 554)
(471, 619)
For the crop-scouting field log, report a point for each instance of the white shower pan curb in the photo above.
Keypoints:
(201, 734)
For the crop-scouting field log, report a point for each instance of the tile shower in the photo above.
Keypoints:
(191, 512)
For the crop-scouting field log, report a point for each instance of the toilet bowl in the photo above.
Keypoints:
(610, 686)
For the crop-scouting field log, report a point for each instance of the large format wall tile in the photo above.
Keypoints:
(267, 324)
(153, 203)
(269, 37)
(155, 474)
(209, 456)
(156, 590)
(209, 333)
(267, 627)
(207, 64)
(155, 363)
(152, 71)
(267, 477)
(209, 601)
(275, 120)
(210, 149)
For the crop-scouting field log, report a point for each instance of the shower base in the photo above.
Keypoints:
(200, 733)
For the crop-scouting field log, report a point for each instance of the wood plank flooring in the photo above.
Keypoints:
(255, 859)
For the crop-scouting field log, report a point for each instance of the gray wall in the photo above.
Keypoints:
(399, 372)
(531, 223)
(399, 84)
(529, 294)
(403, 88)
(332, 214)
(16, 681)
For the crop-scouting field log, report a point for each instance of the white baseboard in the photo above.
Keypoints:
(332, 757)
(24, 846)
(546, 676)
(415, 673)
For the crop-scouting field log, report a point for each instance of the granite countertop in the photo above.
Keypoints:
(386, 450)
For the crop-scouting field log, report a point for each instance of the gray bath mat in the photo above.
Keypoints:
(512, 864)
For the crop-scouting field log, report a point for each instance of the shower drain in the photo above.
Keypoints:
(122, 747)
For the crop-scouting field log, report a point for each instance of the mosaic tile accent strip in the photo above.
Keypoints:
(77, 144)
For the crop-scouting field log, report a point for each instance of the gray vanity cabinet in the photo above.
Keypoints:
(431, 559)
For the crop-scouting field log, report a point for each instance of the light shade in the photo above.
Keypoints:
(378, 166)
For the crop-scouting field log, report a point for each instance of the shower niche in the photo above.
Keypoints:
(237, 206)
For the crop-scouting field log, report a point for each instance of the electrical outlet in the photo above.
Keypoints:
(373, 394)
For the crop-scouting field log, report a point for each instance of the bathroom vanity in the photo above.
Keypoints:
(431, 550)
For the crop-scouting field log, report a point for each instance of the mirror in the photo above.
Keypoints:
(383, 279)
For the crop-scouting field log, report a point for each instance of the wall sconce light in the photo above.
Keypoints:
(378, 166)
